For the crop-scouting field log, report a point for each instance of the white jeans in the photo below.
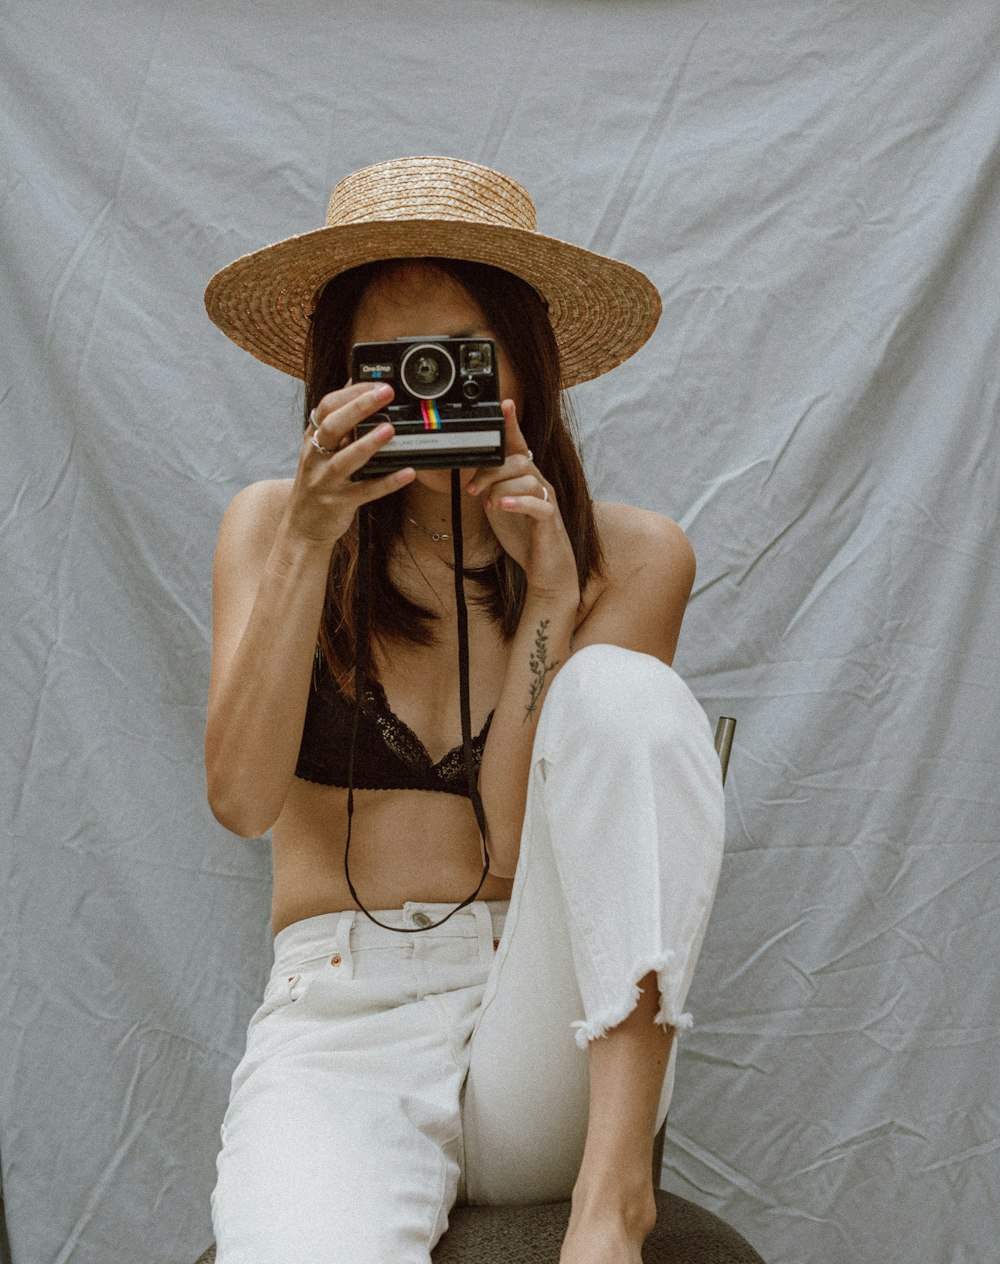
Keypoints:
(387, 1076)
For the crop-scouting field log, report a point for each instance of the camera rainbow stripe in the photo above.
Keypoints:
(432, 418)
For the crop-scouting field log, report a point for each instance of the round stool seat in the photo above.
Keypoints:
(685, 1234)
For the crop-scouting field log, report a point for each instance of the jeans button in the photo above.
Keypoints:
(421, 919)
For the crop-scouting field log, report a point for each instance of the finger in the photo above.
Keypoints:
(514, 446)
(351, 458)
(334, 399)
(528, 485)
(338, 413)
(514, 440)
(374, 488)
(489, 477)
(343, 463)
(350, 454)
(529, 506)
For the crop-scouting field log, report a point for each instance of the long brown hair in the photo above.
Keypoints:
(517, 317)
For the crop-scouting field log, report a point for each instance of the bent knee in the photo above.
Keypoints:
(606, 687)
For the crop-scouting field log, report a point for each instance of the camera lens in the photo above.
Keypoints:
(471, 389)
(427, 371)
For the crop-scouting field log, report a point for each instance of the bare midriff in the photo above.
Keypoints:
(405, 845)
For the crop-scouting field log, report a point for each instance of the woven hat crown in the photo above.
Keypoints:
(431, 189)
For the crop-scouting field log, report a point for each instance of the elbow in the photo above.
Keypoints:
(235, 817)
(243, 805)
(238, 822)
(235, 811)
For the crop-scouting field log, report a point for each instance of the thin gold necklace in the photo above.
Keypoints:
(434, 535)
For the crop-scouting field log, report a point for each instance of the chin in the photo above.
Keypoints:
(440, 480)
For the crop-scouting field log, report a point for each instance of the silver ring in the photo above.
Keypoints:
(319, 447)
(530, 455)
(312, 420)
(545, 495)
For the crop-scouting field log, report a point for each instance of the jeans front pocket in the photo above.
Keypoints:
(286, 988)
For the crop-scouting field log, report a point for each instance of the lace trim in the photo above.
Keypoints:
(402, 742)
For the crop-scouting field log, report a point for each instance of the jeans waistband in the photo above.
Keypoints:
(350, 929)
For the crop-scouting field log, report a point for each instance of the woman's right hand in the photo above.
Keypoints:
(323, 498)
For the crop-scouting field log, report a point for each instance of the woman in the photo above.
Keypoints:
(517, 1045)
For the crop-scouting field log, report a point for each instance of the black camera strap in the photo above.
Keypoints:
(361, 611)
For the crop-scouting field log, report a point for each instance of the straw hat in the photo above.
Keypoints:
(602, 311)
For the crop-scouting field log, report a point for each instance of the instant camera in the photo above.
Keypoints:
(445, 407)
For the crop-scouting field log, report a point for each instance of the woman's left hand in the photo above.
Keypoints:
(521, 508)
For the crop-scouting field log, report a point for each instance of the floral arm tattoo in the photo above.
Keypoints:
(540, 668)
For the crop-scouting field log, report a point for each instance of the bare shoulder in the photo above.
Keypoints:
(249, 527)
(642, 593)
(252, 517)
(259, 505)
(639, 539)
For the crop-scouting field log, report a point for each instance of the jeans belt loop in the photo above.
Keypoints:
(345, 924)
(484, 929)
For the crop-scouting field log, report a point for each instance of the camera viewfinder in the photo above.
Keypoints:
(477, 358)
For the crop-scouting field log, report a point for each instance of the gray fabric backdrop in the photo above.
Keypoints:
(814, 188)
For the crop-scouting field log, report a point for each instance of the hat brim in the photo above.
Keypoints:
(601, 310)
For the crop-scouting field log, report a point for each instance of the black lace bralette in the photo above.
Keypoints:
(388, 754)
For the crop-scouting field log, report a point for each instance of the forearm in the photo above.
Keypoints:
(540, 647)
(257, 704)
